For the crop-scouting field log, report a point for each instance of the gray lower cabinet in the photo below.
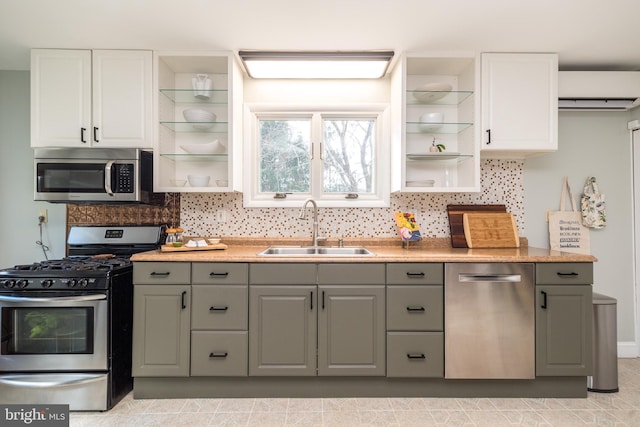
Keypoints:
(161, 319)
(325, 319)
(351, 330)
(564, 319)
(219, 319)
(282, 330)
(161, 330)
(415, 320)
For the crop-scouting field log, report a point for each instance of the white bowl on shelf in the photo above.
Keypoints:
(213, 147)
(430, 122)
(432, 92)
(198, 180)
(199, 118)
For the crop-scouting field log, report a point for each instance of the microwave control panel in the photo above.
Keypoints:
(125, 178)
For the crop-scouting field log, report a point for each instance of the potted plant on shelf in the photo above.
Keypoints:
(436, 148)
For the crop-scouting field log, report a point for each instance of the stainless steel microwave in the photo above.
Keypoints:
(93, 175)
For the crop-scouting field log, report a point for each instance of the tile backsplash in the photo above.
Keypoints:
(501, 182)
(164, 210)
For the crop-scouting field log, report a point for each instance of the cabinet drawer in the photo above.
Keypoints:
(154, 273)
(351, 274)
(282, 274)
(415, 274)
(415, 308)
(219, 307)
(564, 273)
(219, 273)
(415, 354)
(219, 353)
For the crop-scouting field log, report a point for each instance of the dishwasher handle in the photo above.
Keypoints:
(505, 278)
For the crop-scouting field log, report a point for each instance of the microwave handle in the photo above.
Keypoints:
(107, 177)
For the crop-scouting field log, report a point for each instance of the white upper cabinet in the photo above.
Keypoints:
(84, 98)
(519, 104)
(434, 103)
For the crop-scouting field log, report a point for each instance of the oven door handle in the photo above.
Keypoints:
(107, 177)
(78, 298)
(26, 381)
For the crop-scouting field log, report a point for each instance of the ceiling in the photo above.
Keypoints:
(587, 34)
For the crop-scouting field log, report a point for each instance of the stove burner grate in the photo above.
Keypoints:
(76, 264)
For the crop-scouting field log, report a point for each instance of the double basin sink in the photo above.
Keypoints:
(316, 251)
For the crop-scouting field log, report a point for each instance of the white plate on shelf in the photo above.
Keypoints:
(443, 155)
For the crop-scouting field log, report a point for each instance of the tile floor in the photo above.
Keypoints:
(598, 409)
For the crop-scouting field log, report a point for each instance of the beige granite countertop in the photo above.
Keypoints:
(386, 250)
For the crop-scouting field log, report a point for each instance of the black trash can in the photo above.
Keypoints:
(605, 345)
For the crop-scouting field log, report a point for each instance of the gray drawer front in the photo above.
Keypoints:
(564, 273)
(219, 307)
(223, 354)
(282, 274)
(156, 273)
(351, 274)
(415, 354)
(415, 274)
(415, 308)
(219, 273)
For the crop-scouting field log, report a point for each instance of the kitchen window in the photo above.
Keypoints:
(339, 156)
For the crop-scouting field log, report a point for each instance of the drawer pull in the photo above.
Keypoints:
(218, 355)
(416, 356)
(214, 308)
(214, 275)
(163, 274)
(183, 299)
(414, 274)
(415, 309)
(561, 274)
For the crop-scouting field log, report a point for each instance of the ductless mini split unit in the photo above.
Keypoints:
(598, 90)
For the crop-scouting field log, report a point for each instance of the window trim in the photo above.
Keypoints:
(254, 111)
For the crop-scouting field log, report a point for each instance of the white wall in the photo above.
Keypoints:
(591, 144)
(18, 211)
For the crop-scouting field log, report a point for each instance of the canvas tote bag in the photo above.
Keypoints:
(592, 205)
(566, 232)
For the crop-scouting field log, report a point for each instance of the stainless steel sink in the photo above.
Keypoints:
(316, 251)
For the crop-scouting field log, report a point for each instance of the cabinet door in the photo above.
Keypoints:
(351, 330)
(60, 98)
(122, 103)
(282, 330)
(519, 103)
(161, 330)
(563, 330)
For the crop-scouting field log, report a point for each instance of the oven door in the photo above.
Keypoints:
(64, 180)
(53, 332)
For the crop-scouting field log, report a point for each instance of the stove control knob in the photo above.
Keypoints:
(9, 283)
(47, 283)
(22, 283)
(72, 283)
(83, 283)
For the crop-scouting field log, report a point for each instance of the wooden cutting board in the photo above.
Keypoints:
(455, 213)
(490, 230)
(171, 248)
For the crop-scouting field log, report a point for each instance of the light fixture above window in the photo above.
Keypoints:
(316, 64)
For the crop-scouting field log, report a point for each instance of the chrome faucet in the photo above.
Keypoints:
(303, 211)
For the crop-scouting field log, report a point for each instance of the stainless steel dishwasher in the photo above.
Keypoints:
(489, 326)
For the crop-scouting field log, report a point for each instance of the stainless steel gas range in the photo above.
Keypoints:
(66, 324)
